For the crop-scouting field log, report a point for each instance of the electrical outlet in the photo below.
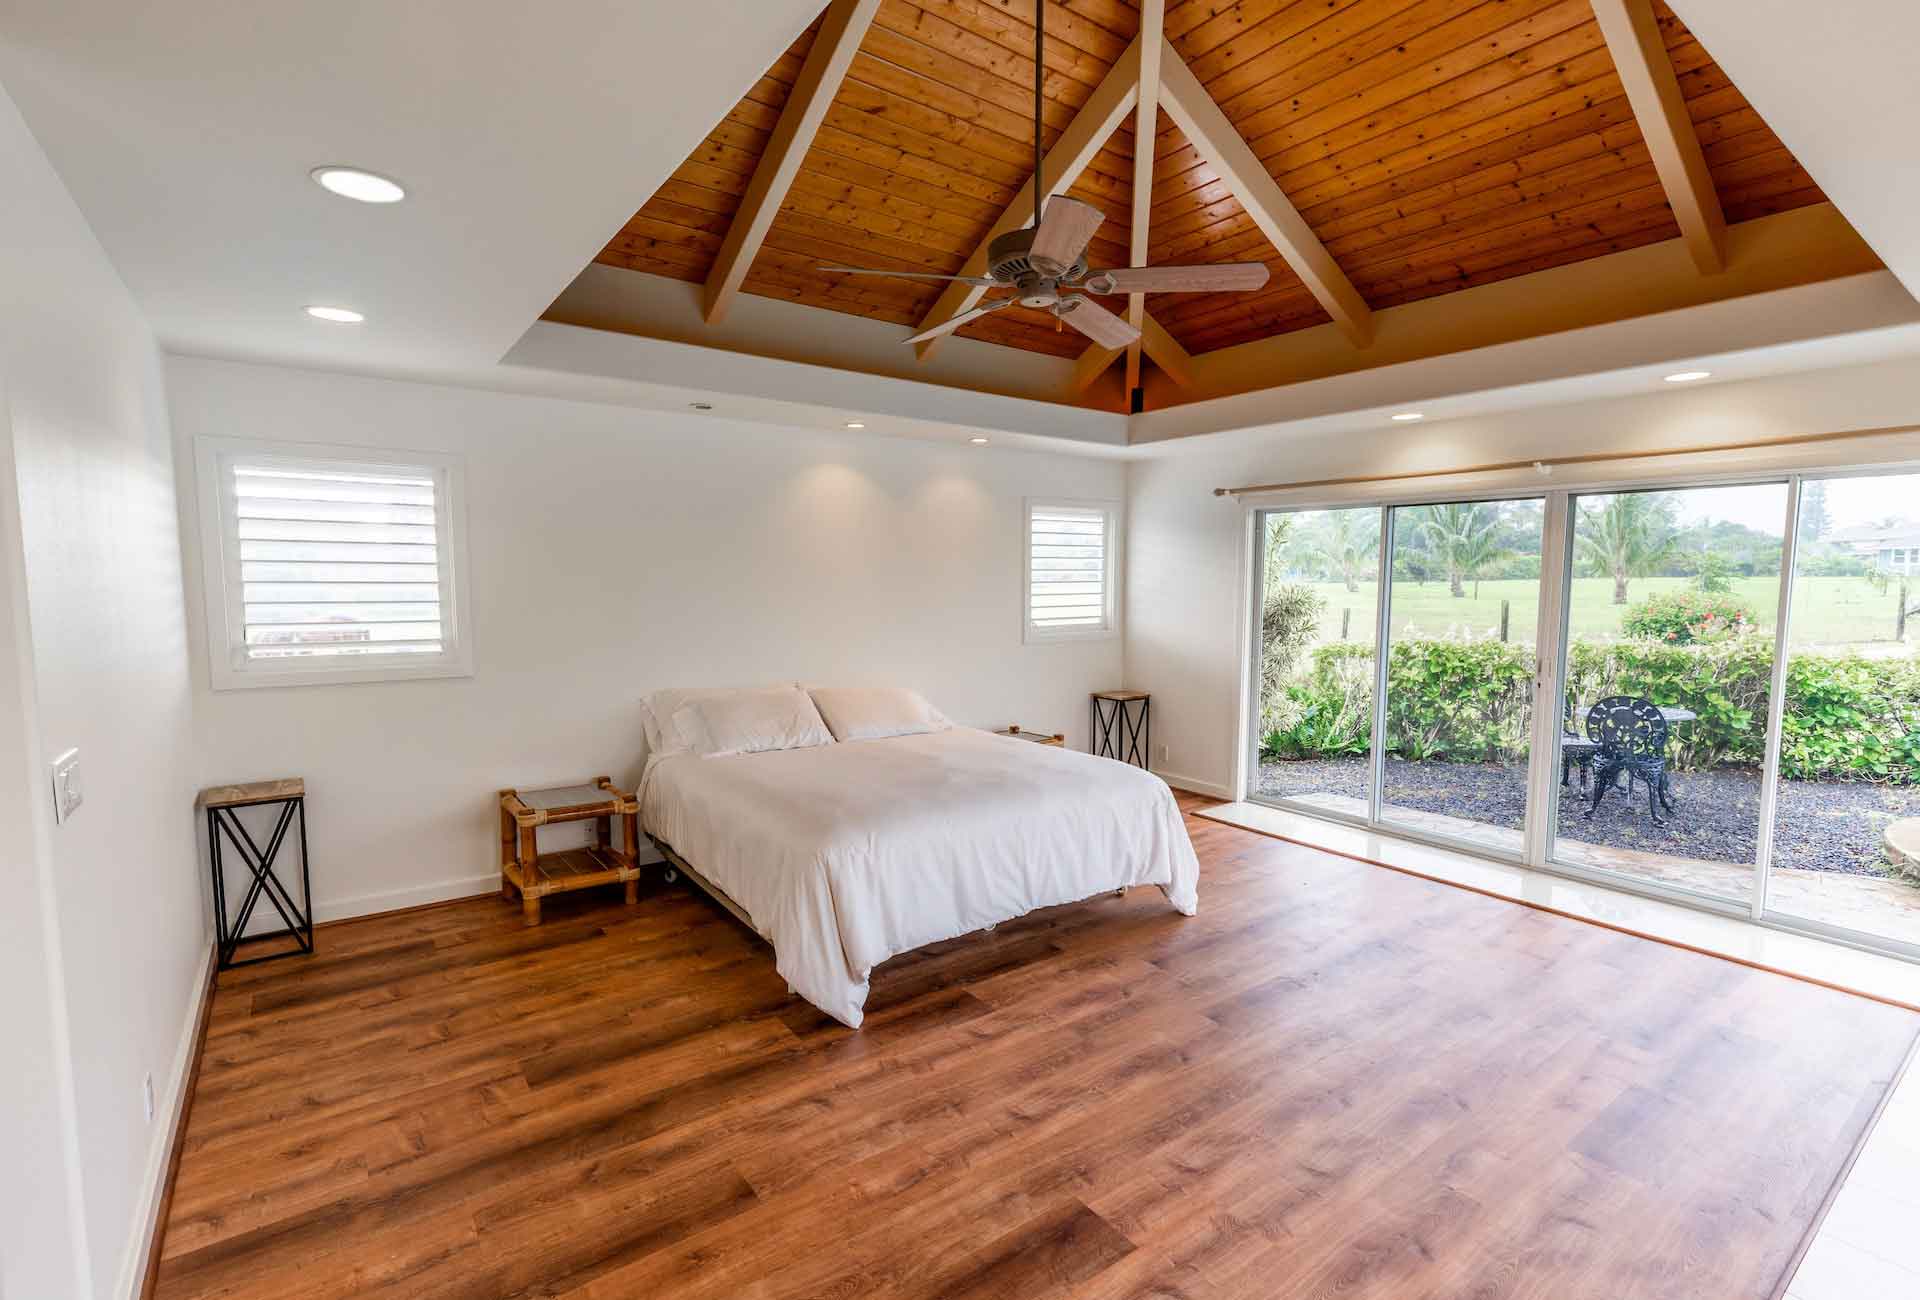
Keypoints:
(146, 1094)
(66, 785)
(1163, 753)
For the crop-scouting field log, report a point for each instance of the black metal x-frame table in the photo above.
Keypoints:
(223, 823)
(1117, 731)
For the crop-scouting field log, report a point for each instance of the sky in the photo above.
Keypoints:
(1864, 500)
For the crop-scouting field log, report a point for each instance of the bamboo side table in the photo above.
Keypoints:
(534, 875)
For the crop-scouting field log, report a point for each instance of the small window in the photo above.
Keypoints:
(1070, 589)
(331, 564)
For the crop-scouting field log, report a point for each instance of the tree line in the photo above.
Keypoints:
(1621, 536)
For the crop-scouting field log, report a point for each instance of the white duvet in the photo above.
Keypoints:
(846, 854)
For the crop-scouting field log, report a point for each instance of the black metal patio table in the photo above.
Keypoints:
(1674, 714)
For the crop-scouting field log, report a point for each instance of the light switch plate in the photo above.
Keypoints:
(66, 785)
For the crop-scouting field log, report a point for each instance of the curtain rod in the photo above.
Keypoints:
(1548, 463)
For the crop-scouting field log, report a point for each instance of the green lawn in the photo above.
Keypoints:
(1828, 611)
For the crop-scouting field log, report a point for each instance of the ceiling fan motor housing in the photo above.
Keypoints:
(1009, 261)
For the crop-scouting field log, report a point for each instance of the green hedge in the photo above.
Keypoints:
(1846, 716)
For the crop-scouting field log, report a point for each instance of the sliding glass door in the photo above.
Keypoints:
(1708, 691)
(1671, 614)
(1845, 855)
(1464, 602)
(1319, 616)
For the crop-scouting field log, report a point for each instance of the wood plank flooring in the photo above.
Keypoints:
(1336, 1080)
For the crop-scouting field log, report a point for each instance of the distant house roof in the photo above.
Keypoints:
(1873, 536)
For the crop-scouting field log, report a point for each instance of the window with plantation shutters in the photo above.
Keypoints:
(1070, 570)
(330, 568)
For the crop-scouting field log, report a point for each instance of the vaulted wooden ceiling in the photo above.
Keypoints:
(1428, 145)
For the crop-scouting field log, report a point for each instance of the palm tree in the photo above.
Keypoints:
(1349, 543)
(1629, 537)
(1465, 538)
(1279, 537)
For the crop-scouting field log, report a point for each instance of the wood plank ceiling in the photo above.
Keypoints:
(1431, 145)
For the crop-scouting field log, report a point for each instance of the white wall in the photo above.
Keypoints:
(614, 551)
(108, 905)
(1188, 620)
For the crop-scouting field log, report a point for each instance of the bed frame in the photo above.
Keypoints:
(680, 866)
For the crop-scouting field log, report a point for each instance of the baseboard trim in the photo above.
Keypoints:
(142, 1262)
(399, 900)
(1194, 785)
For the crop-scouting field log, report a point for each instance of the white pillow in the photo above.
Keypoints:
(876, 712)
(650, 731)
(746, 720)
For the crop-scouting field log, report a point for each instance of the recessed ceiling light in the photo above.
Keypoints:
(343, 315)
(855, 424)
(1408, 417)
(701, 406)
(1689, 376)
(352, 183)
(978, 442)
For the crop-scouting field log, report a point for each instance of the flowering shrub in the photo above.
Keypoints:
(1688, 617)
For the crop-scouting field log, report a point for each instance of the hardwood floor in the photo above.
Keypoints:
(1336, 1080)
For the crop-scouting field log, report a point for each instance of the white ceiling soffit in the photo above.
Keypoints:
(526, 136)
(1837, 85)
(1851, 321)
(601, 365)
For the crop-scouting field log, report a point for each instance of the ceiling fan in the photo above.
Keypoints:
(1046, 267)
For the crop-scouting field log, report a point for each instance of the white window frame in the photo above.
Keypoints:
(1110, 622)
(220, 565)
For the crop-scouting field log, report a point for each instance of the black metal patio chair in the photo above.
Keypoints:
(1575, 750)
(1632, 736)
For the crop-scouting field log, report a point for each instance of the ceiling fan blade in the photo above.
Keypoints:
(1096, 322)
(948, 327)
(1221, 276)
(985, 282)
(1064, 233)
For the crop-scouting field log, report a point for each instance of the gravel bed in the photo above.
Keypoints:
(1822, 826)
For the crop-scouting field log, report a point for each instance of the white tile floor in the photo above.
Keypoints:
(1868, 1247)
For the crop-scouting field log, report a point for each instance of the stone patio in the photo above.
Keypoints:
(1879, 905)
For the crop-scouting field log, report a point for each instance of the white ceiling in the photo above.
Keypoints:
(1837, 84)
(526, 133)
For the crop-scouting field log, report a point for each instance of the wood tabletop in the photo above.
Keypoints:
(232, 796)
(1123, 696)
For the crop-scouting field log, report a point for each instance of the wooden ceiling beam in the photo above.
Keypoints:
(1091, 364)
(1164, 350)
(1159, 346)
(1653, 90)
(1216, 140)
(834, 46)
(1146, 125)
(1084, 137)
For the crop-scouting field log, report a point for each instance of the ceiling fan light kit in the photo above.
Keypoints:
(1045, 264)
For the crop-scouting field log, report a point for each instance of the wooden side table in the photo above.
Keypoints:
(1119, 731)
(223, 803)
(534, 875)
(1056, 739)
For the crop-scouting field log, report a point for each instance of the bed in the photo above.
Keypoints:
(846, 853)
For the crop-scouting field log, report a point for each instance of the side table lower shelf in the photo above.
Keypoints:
(556, 873)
